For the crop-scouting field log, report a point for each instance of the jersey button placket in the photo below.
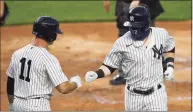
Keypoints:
(144, 65)
(146, 59)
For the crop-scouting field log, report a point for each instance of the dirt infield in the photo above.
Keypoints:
(82, 48)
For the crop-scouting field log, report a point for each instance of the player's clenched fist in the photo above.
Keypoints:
(169, 73)
(77, 80)
(91, 76)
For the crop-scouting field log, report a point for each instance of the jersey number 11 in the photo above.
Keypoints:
(23, 60)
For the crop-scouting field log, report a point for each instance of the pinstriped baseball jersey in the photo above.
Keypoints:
(36, 72)
(141, 64)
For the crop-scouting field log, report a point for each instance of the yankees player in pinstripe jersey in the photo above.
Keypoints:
(139, 53)
(34, 72)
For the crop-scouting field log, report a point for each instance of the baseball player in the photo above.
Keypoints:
(139, 53)
(121, 10)
(34, 72)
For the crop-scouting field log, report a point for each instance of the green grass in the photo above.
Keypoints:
(25, 12)
(176, 10)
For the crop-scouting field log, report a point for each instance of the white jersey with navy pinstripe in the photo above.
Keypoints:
(35, 71)
(141, 64)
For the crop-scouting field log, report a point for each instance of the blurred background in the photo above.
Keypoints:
(25, 12)
(89, 33)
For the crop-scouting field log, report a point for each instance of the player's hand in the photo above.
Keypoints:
(77, 80)
(11, 107)
(134, 3)
(91, 76)
(107, 5)
(169, 73)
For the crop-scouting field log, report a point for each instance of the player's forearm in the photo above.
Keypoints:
(169, 58)
(71, 86)
(169, 55)
(10, 89)
(103, 71)
(10, 98)
(67, 87)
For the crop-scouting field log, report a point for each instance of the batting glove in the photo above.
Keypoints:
(77, 80)
(169, 73)
(11, 107)
(91, 76)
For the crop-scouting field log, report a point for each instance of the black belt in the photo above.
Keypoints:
(36, 98)
(40, 98)
(148, 92)
(28, 98)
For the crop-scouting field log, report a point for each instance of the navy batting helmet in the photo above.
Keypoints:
(139, 22)
(47, 28)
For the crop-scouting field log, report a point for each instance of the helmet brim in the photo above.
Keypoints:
(58, 31)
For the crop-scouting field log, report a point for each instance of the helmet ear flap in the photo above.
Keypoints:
(148, 23)
(51, 36)
(34, 31)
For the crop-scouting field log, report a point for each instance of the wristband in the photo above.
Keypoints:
(170, 66)
(100, 73)
(110, 68)
(170, 62)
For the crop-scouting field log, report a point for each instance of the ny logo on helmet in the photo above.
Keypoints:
(131, 18)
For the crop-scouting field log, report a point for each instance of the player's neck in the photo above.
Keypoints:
(39, 43)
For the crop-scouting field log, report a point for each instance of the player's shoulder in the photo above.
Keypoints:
(126, 38)
(159, 30)
(47, 56)
(20, 50)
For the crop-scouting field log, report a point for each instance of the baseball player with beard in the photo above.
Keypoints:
(121, 9)
(33, 72)
(139, 54)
